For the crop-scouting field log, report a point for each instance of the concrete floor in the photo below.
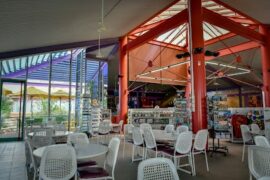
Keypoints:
(221, 167)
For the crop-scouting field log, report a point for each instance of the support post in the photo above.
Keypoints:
(199, 120)
(265, 55)
(240, 97)
(123, 80)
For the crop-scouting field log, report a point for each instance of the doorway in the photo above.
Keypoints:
(12, 111)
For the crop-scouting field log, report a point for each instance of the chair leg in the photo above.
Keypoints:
(250, 176)
(194, 166)
(133, 152)
(124, 147)
(206, 160)
(191, 163)
(175, 162)
(243, 152)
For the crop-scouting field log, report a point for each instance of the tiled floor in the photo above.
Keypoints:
(12, 164)
(12, 161)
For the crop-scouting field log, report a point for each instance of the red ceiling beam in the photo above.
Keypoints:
(242, 20)
(145, 27)
(234, 27)
(224, 36)
(235, 49)
(154, 15)
(165, 26)
(162, 44)
(236, 10)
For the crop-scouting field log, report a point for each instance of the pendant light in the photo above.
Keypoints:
(101, 28)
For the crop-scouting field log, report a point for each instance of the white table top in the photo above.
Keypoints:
(84, 152)
(57, 133)
(161, 135)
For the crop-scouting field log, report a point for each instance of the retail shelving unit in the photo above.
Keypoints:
(157, 117)
(86, 112)
(182, 113)
(218, 116)
(95, 118)
(106, 114)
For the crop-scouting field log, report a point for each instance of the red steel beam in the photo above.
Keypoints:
(162, 44)
(145, 27)
(236, 10)
(241, 20)
(167, 25)
(235, 49)
(224, 36)
(156, 14)
(234, 27)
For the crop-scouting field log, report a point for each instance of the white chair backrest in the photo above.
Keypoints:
(104, 126)
(128, 129)
(144, 126)
(246, 135)
(157, 169)
(255, 128)
(43, 131)
(60, 127)
(200, 140)
(181, 129)
(58, 162)
(267, 133)
(40, 141)
(169, 128)
(259, 161)
(78, 139)
(149, 138)
(137, 136)
(184, 142)
(111, 156)
(261, 141)
(29, 155)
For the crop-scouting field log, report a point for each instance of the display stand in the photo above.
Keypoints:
(106, 114)
(86, 113)
(157, 117)
(95, 119)
(219, 115)
(182, 114)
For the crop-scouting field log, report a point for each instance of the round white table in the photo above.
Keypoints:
(56, 134)
(161, 135)
(83, 152)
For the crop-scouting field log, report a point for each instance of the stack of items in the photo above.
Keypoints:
(86, 113)
(182, 113)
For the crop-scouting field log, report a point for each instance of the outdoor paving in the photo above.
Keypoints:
(12, 161)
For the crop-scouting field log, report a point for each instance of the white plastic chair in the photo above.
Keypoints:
(169, 128)
(259, 162)
(127, 135)
(58, 162)
(182, 149)
(199, 147)
(181, 129)
(246, 136)
(145, 126)
(30, 160)
(104, 129)
(137, 143)
(267, 133)
(77, 139)
(261, 141)
(255, 129)
(40, 141)
(150, 142)
(110, 161)
(157, 169)
(118, 129)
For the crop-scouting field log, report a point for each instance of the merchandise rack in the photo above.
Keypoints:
(157, 117)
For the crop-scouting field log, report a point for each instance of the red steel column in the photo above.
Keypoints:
(199, 119)
(123, 80)
(265, 53)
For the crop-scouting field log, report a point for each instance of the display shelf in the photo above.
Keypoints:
(95, 118)
(86, 112)
(157, 117)
(106, 114)
(182, 113)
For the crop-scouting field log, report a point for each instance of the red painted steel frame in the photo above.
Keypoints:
(235, 49)
(265, 53)
(234, 27)
(199, 119)
(123, 80)
(167, 25)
